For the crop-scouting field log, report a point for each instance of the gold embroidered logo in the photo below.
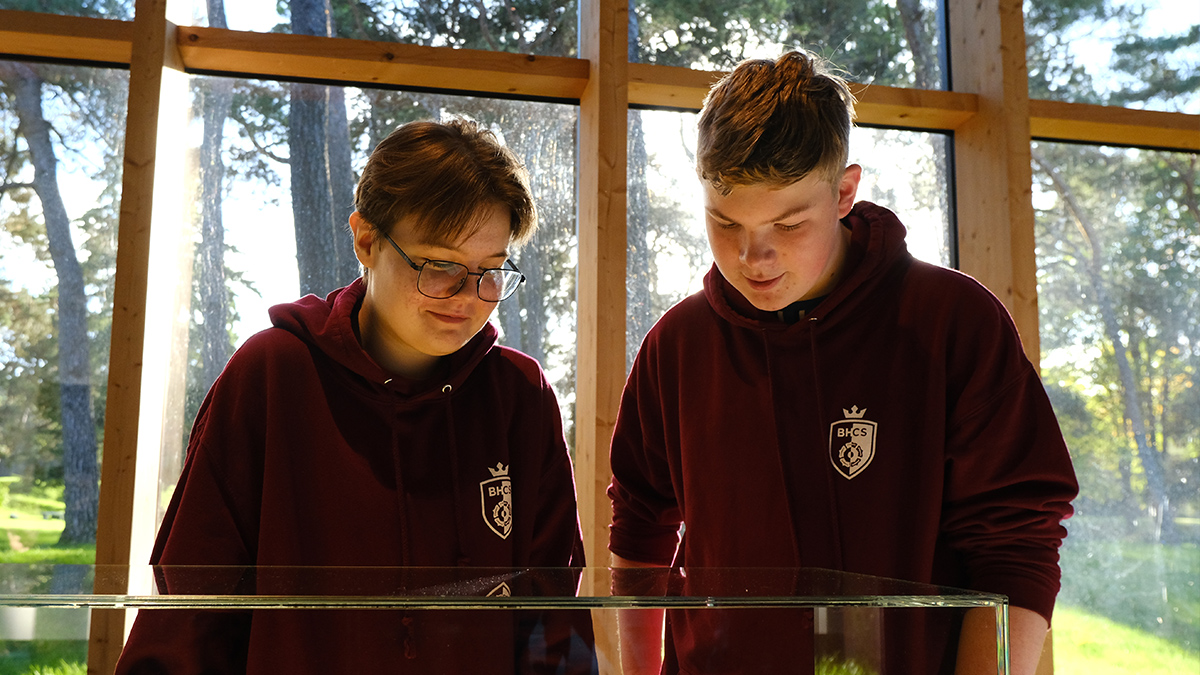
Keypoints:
(495, 496)
(852, 442)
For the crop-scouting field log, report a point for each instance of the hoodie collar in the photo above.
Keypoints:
(876, 243)
(327, 325)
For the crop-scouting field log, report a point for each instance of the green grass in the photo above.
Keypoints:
(1150, 587)
(1086, 644)
(28, 537)
(46, 555)
(43, 657)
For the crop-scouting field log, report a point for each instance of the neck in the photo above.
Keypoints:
(392, 355)
(835, 269)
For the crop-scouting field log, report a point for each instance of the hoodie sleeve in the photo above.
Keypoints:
(211, 520)
(558, 541)
(1009, 479)
(646, 513)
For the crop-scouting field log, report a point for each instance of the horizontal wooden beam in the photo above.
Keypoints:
(685, 89)
(1107, 125)
(881, 105)
(72, 38)
(90, 40)
(381, 63)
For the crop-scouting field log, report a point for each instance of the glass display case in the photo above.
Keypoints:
(509, 620)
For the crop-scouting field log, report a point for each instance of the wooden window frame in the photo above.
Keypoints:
(988, 112)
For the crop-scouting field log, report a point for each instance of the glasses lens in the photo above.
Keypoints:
(496, 285)
(441, 279)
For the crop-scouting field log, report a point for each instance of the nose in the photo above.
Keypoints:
(756, 247)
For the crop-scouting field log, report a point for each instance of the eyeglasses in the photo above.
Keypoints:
(441, 279)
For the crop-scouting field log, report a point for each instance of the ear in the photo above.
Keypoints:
(848, 189)
(364, 240)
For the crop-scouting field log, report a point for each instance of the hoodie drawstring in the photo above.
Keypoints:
(783, 468)
(452, 448)
(830, 487)
(406, 621)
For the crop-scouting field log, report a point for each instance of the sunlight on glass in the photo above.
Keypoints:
(1133, 53)
(1118, 245)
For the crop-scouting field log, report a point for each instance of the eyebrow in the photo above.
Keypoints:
(445, 247)
(790, 213)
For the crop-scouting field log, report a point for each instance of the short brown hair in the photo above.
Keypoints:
(445, 175)
(775, 122)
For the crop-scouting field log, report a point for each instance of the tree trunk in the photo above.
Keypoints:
(80, 470)
(341, 185)
(214, 296)
(1156, 489)
(637, 257)
(322, 260)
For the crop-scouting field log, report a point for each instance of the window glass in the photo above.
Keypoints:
(104, 9)
(1134, 53)
(275, 178)
(668, 254)
(61, 141)
(542, 27)
(1118, 255)
(893, 42)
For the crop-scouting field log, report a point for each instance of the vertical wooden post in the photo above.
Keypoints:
(993, 178)
(600, 323)
(147, 246)
(603, 122)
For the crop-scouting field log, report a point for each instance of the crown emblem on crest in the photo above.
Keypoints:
(502, 470)
(854, 413)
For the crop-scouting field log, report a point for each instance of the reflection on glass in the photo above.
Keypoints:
(893, 42)
(1134, 53)
(61, 141)
(274, 185)
(542, 27)
(668, 254)
(1118, 246)
(465, 619)
(104, 9)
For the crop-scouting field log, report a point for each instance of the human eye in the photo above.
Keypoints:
(451, 269)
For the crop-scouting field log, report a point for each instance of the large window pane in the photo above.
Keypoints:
(542, 27)
(1135, 53)
(61, 146)
(104, 9)
(668, 255)
(894, 42)
(274, 185)
(1118, 246)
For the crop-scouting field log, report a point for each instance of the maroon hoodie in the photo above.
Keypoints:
(306, 453)
(895, 430)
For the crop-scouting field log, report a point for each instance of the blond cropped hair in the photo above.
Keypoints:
(775, 122)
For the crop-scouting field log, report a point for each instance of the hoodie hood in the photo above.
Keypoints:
(329, 326)
(877, 250)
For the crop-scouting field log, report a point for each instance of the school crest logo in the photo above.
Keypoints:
(501, 591)
(495, 495)
(852, 442)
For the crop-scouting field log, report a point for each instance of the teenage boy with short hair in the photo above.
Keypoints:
(828, 401)
(383, 427)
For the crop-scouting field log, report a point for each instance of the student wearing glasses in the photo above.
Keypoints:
(383, 427)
